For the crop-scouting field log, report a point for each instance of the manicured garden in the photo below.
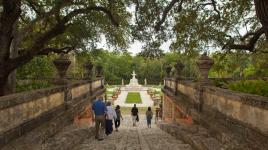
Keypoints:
(133, 97)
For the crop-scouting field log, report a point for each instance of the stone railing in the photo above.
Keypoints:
(169, 83)
(22, 112)
(229, 115)
(220, 110)
(224, 112)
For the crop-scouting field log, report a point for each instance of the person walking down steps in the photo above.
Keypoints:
(119, 116)
(99, 110)
(134, 114)
(149, 116)
(110, 116)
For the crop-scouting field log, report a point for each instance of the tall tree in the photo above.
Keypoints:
(151, 51)
(46, 26)
(204, 24)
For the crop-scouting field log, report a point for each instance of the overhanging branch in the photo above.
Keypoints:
(213, 3)
(53, 11)
(88, 10)
(166, 11)
(250, 45)
(34, 5)
(64, 50)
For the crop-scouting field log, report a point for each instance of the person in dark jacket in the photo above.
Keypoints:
(134, 114)
(118, 118)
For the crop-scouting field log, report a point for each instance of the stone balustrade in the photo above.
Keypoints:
(222, 111)
(22, 112)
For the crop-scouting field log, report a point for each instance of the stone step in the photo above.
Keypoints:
(197, 136)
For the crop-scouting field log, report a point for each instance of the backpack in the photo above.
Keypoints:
(149, 114)
(137, 119)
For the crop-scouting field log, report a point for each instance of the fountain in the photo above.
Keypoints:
(133, 85)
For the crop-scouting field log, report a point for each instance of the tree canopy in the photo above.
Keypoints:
(29, 28)
(204, 24)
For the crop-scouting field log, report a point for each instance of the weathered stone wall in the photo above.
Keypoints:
(248, 109)
(22, 112)
(224, 112)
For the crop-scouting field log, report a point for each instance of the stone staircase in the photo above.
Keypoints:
(195, 135)
(200, 138)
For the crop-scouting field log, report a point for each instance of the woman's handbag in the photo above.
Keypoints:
(137, 118)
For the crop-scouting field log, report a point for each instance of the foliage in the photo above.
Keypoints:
(151, 51)
(133, 97)
(30, 28)
(40, 67)
(239, 65)
(32, 86)
(119, 65)
(200, 25)
(258, 87)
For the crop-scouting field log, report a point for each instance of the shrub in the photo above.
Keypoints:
(32, 86)
(258, 87)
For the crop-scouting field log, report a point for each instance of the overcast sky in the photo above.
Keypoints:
(136, 47)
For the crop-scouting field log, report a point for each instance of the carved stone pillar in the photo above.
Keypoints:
(99, 71)
(62, 64)
(122, 82)
(178, 67)
(168, 71)
(145, 81)
(204, 64)
(89, 67)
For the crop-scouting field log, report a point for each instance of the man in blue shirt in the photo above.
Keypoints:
(99, 110)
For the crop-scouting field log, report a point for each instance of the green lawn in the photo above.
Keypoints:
(133, 97)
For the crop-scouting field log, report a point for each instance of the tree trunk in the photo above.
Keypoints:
(8, 43)
(261, 7)
(3, 85)
(10, 86)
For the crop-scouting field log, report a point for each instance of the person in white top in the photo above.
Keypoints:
(110, 116)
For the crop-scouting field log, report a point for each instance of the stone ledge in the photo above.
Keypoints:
(229, 130)
(23, 97)
(28, 126)
(57, 118)
(245, 98)
(186, 102)
(250, 99)
(19, 98)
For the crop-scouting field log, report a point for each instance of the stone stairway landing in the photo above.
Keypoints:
(135, 138)
(199, 137)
